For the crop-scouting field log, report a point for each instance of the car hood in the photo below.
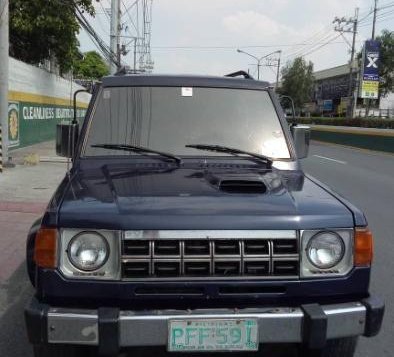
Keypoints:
(113, 197)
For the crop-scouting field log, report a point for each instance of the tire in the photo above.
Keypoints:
(341, 347)
(63, 351)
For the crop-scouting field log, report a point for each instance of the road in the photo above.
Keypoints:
(365, 178)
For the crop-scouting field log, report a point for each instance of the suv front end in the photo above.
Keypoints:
(198, 251)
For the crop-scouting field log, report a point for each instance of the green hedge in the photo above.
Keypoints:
(358, 122)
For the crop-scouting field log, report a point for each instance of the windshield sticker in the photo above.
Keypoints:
(106, 94)
(187, 92)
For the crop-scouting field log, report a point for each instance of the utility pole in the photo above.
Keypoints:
(4, 67)
(375, 10)
(115, 35)
(341, 22)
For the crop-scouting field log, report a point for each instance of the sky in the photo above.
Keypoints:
(202, 36)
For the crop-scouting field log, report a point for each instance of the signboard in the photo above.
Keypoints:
(30, 123)
(370, 70)
(13, 124)
(327, 105)
(345, 102)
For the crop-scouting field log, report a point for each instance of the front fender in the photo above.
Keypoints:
(31, 237)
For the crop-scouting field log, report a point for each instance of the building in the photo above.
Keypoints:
(330, 95)
(330, 92)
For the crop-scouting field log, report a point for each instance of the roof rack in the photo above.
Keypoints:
(240, 74)
(127, 70)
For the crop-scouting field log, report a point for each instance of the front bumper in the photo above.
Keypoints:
(112, 329)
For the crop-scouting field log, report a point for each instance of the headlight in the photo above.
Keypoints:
(326, 253)
(88, 251)
(325, 250)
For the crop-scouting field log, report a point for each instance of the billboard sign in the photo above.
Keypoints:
(370, 73)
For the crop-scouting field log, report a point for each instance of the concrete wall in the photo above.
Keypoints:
(38, 100)
(387, 102)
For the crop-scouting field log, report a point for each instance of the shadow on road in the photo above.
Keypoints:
(14, 295)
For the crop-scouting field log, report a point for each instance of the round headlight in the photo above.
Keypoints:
(88, 251)
(325, 250)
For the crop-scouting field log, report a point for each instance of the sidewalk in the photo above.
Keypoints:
(32, 181)
(24, 193)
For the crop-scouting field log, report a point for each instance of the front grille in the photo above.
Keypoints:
(214, 258)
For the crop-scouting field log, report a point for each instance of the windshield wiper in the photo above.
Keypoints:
(139, 150)
(233, 151)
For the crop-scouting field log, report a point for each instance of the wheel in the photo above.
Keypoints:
(341, 347)
(63, 351)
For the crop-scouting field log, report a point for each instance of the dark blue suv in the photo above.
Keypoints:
(186, 223)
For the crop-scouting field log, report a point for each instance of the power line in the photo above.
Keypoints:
(105, 12)
(97, 40)
(84, 23)
(319, 47)
(317, 37)
(130, 17)
(201, 47)
(380, 18)
(323, 41)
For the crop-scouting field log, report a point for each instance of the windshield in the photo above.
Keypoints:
(169, 118)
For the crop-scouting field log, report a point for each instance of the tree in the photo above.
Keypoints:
(297, 81)
(91, 66)
(42, 29)
(386, 70)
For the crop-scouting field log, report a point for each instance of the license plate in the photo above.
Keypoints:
(213, 335)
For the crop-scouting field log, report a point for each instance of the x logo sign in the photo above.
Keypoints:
(372, 62)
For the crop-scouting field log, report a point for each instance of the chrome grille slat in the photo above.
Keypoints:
(211, 258)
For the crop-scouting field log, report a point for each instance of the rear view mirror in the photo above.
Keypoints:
(301, 136)
(67, 133)
(66, 139)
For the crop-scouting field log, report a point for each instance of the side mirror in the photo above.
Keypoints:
(301, 136)
(66, 139)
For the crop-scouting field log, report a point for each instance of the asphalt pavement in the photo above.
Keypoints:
(365, 178)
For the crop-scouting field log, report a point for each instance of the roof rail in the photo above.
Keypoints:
(239, 74)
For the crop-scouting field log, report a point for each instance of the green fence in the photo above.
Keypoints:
(365, 139)
(30, 123)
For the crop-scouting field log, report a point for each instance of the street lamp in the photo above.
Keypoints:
(260, 59)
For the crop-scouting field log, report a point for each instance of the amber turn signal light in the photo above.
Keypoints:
(45, 249)
(363, 247)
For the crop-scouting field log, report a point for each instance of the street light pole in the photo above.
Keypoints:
(258, 60)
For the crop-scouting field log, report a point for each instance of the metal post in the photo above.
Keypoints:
(258, 70)
(135, 55)
(351, 92)
(4, 67)
(278, 70)
(115, 34)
